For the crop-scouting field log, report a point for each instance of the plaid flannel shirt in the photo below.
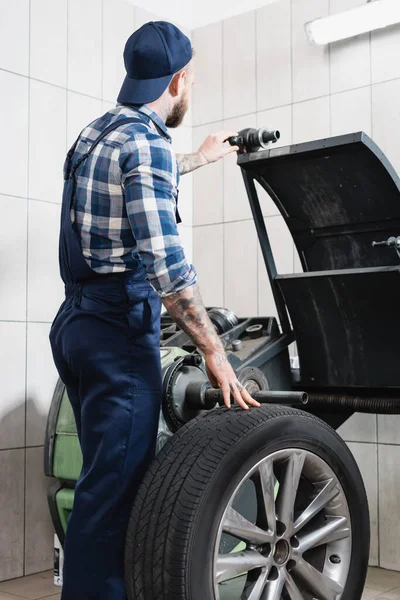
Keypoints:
(126, 200)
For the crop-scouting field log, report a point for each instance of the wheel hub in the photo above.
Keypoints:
(282, 552)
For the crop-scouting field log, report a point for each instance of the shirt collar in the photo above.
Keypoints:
(145, 110)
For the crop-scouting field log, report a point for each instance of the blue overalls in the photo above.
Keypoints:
(105, 341)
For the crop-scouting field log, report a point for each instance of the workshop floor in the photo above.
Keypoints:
(382, 585)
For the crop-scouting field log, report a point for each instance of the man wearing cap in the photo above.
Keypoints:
(120, 257)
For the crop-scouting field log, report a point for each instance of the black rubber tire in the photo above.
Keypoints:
(174, 521)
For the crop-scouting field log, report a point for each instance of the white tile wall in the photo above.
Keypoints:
(389, 498)
(14, 154)
(14, 36)
(351, 111)
(389, 429)
(310, 63)
(311, 120)
(239, 65)
(45, 288)
(274, 55)
(385, 54)
(118, 25)
(48, 109)
(41, 381)
(182, 143)
(386, 119)
(11, 514)
(350, 59)
(240, 268)
(207, 91)
(13, 272)
(186, 236)
(360, 428)
(208, 251)
(85, 18)
(81, 110)
(12, 377)
(207, 183)
(48, 51)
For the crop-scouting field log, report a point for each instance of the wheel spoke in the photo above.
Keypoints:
(292, 588)
(327, 493)
(267, 478)
(334, 529)
(323, 587)
(288, 489)
(235, 524)
(238, 563)
(255, 589)
(273, 589)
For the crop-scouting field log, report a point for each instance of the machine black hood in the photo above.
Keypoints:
(336, 195)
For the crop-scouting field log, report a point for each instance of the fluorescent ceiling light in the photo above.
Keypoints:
(368, 17)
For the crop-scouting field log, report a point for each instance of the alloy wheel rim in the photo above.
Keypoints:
(299, 543)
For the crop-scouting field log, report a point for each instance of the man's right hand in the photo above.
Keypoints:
(187, 310)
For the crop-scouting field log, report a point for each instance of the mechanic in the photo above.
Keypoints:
(120, 257)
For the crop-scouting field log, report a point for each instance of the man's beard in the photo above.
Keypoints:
(177, 115)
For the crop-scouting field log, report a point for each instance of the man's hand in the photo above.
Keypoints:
(214, 148)
(221, 375)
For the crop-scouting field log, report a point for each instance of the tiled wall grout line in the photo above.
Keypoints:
(27, 300)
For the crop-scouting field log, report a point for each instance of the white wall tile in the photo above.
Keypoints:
(12, 377)
(45, 288)
(366, 457)
(386, 119)
(389, 506)
(143, 16)
(310, 63)
(389, 429)
(13, 272)
(49, 41)
(85, 47)
(385, 54)
(41, 381)
(186, 236)
(351, 112)
(359, 428)
(207, 91)
(239, 65)
(11, 514)
(14, 129)
(118, 26)
(240, 268)
(182, 143)
(350, 59)
(81, 110)
(207, 183)
(311, 120)
(48, 108)
(14, 36)
(208, 249)
(274, 55)
(236, 203)
(38, 527)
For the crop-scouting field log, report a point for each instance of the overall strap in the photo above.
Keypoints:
(118, 123)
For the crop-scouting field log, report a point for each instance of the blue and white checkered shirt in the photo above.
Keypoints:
(126, 200)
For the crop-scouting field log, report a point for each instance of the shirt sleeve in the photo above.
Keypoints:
(149, 171)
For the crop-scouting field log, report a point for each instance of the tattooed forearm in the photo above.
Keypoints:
(187, 310)
(190, 162)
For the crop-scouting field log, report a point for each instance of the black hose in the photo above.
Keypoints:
(336, 403)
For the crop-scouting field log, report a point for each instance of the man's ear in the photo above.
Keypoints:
(176, 83)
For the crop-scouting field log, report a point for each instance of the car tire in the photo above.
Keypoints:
(184, 507)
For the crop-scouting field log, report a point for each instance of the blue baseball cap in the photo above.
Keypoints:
(152, 55)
